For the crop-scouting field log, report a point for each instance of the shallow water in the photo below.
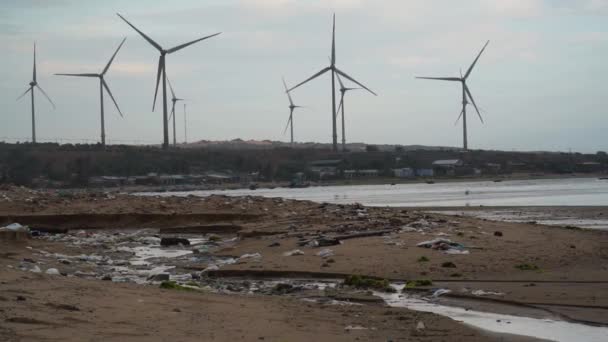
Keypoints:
(539, 328)
(546, 192)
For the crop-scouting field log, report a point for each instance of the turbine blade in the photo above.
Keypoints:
(440, 78)
(105, 85)
(78, 75)
(311, 78)
(112, 59)
(354, 81)
(172, 111)
(45, 95)
(22, 95)
(153, 43)
(340, 106)
(466, 88)
(288, 122)
(34, 72)
(475, 61)
(459, 116)
(288, 93)
(340, 81)
(333, 43)
(160, 69)
(171, 88)
(179, 47)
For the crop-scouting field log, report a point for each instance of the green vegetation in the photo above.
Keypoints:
(423, 259)
(171, 285)
(527, 267)
(418, 283)
(363, 282)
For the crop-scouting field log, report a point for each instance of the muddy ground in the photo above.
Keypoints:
(562, 271)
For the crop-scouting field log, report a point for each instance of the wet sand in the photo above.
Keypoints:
(571, 275)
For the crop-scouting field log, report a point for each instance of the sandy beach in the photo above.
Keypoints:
(520, 268)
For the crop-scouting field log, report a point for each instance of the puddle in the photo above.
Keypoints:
(533, 327)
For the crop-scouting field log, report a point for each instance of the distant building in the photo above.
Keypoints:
(325, 168)
(447, 167)
(404, 173)
(425, 172)
(589, 167)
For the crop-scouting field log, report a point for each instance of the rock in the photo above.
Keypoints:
(52, 271)
(29, 260)
(497, 233)
(275, 244)
(420, 326)
(159, 277)
(107, 277)
(20, 298)
(165, 242)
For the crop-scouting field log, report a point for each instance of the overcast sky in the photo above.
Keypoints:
(541, 82)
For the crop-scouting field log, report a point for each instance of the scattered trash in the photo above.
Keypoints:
(159, 277)
(486, 293)
(445, 245)
(250, 256)
(441, 292)
(293, 253)
(165, 242)
(325, 253)
(355, 327)
(52, 271)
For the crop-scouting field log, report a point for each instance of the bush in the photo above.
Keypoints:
(527, 267)
(423, 259)
(363, 282)
(418, 283)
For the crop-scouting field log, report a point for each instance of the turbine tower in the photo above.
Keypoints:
(34, 83)
(162, 70)
(466, 94)
(185, 126)
(174, 100)
(334, 70)
(292, 107)
(102, 85)
(343, 91)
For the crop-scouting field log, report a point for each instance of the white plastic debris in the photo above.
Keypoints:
(35, 269)
(420, 326)
(293, 253)
(325, 253)
(486, 293)
(441, 292)
(52, 271)
(251, 256)
(15, 227)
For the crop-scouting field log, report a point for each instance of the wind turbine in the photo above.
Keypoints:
(334, 70)
(102, 85)
(34, 83)
(162, 70)
(466, 93)
(292, 107)
(174, 100)
(343, 91)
